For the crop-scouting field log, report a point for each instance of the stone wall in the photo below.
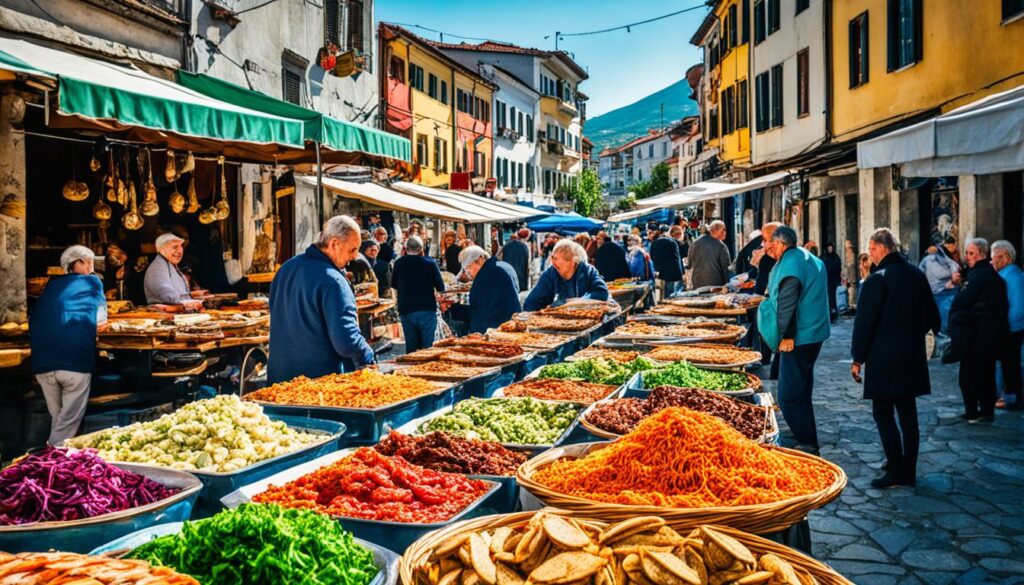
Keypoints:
(13, 300)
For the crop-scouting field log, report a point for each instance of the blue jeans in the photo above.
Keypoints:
(796, 384)
(944, 300)
(419, 328)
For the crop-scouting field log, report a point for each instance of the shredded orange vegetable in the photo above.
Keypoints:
(680, 458)
(366, 388)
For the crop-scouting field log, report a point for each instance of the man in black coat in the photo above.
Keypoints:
(667, 263)
(517, 254)
(979, 325)
(894, 313)
(610, 260)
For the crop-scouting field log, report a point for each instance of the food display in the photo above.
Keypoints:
(445, 370)
(702, 329)
(477, 344)
(427, 354)
(259, 543)
(521, 421)
(690, 376)
(617, 355)
(721, 301)
(220, 434)
(598, 371)
(704, 353)
(373, 486)
(682, 458)
(549, 549)
(550, 323)
(560, 390)
(571, 312)
(623, 415)
(51, 568)
(366, 388)
(453, 454)
(530, 339)
(56, 485)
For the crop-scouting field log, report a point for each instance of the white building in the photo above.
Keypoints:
(649, 152)
(516, 156)
(788, 62)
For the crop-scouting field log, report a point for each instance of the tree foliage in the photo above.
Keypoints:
(586, 193)
(656, 185)
(626, 203)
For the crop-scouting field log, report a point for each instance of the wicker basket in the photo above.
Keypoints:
(419, 551)
(755, 518)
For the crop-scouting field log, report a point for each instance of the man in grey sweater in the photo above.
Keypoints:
(709, 258)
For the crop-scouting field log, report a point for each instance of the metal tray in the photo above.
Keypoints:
(771, 436)
(365, 425)
(397, 535)
(614, 393)
(385, 560)
(79, 535)
(410, 428)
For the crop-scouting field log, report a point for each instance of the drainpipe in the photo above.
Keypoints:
(828, 70)
(455, 128)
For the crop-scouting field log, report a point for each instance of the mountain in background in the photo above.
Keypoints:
(619, 126)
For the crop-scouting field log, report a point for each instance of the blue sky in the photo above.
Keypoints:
(624, 67)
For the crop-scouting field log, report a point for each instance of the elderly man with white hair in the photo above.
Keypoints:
(165, 283)
(568, 277)
(62, 333)
(708, 260)
(316, 331)
(1004, 256)
(494, 296)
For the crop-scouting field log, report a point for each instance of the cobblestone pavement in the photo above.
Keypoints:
(964, 521)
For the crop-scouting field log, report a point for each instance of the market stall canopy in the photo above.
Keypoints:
(385, 198)
(625, 216)
(565, 222)
(983, 137)
(122, 100)
(498, 211)
(340, 139)
(708, 190)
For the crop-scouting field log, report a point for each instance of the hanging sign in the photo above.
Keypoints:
(346, 64)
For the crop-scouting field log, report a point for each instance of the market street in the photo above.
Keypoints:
(963, 523)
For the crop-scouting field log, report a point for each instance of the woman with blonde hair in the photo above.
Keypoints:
(450, 249)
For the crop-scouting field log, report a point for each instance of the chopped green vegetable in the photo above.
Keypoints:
(689, 376)
(263, 543)
(523, 421)
(597, 370)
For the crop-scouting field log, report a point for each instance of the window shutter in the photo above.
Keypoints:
(292, 87)
(332, 22)
(803, 83)
(774, 15)
(759, 23)
(733, 21)
(776, 96)
(745, 22)
(355, 25)
(742, 106)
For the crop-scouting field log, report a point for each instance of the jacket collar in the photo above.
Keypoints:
(890, 258)
(985, 266)
(317, 254)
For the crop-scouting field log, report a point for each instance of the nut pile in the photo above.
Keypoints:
(555, 550)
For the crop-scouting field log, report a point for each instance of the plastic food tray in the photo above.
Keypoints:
(79, 535)
(365, 425)
(397, 535)
(771, 436)
(410, 428)
(386, 560)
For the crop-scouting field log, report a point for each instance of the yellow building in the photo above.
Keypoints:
(725, 37)
(898, 60)
(441, 106)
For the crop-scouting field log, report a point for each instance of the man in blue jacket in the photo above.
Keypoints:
(62, 335)
(794, 320)
(568, 277)
(494, 297)
(316, 331)
(1003, 257)
(415, 279)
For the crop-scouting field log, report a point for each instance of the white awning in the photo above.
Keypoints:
(384, 198)
(708, 190)
(492, 210)
(628, 215)
(983, 137)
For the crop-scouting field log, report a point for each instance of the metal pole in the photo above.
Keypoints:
(319, 185)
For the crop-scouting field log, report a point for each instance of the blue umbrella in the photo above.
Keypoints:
(565, 222)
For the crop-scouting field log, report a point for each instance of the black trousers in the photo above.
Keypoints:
(796, 384)
(1010, 360)
(900, 443)
(978, 385)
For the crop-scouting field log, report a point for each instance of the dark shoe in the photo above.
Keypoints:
(969, 417)
(981, 419)
(889, 480)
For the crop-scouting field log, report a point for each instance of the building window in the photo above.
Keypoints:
(742, 120)
(520, 123)
(802, 5)
(859, 50)
(416, 76)
(355, 37)
(512, 116)
(440, 155)
(530, 179)
(422, 155)
(529, 128)
(332, 22)
(1012, 9)
(432, 85)
(396, 68)
(759, 32)
(444, 92)
(733, 21)
(803, 84)
(713, 123)
(293, 80)
(777, 95)
(745, 23)
(650, 151)
(728, 111)
(499, 113)
(905, 42)
(762, 102)
(774, 15)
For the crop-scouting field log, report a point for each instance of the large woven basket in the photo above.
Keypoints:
(419, 551)
(755, 518)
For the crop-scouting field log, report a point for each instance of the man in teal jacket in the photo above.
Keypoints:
(795, 320)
